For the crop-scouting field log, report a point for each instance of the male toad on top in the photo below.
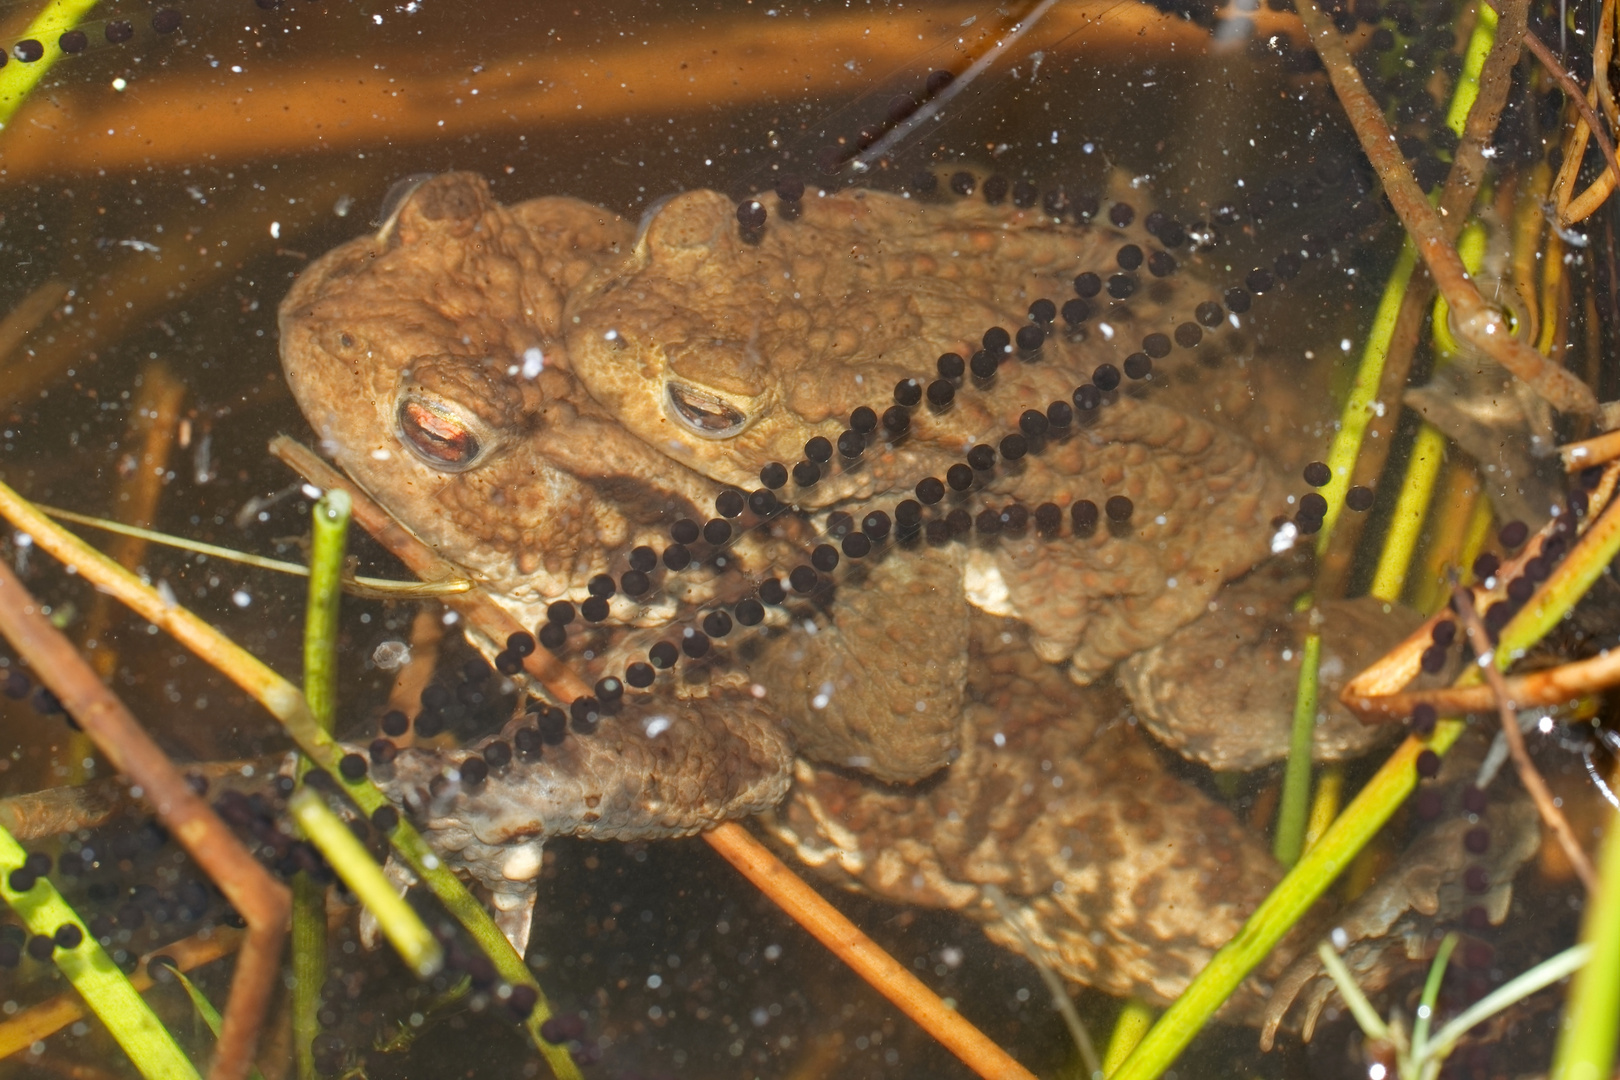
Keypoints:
(575, 410)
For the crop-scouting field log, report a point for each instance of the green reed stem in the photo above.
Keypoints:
(1296, 793)
(1511, 992)
(17, 79)
(1365, 815)
(329, 539)
(1367, 1019)
(330, 532)
(1132, 1023)
(1360, 406)
(291, 710)
(1586, 1039)
(1431, 993)
(92, 973)
(206, 1010)
(404, 929)
(1319, 867)
(308, 968)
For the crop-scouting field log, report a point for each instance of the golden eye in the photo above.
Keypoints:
(437, 436)
(706, 414)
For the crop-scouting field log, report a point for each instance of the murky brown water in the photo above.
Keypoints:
(177, 183)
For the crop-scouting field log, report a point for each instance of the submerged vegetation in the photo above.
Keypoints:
(1462, 117)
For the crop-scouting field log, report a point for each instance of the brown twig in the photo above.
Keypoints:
(1477, 322)
(1402, 664)
(1495, 84)
(1572, 91)
(259, 898)
(1598, 450)
(30, 311)
(785, 888)
(828, 925)
(50, 1016)
(54, 811)
(1579, 208)
(1456, 200)
(1551, 815)
(1550, 686)
(1399, 666)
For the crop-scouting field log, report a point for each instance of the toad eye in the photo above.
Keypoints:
(706, 414)
(438, 436)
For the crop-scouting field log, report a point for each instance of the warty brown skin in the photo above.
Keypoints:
(541, 479)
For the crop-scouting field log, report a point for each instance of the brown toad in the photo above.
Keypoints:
(439, 361)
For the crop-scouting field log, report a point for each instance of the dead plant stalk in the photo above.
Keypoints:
(261, 900)
(1551, 815)
(1479, 323)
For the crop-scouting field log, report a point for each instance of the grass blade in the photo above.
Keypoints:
(92, 973)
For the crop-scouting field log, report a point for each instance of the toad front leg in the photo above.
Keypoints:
(653, 769)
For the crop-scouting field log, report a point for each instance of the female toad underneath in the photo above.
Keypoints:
(579, 414)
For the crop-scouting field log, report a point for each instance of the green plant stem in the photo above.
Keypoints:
(17, 80)
(92, 973)
(1431, 994)
(288, 706)
(1365, 815)
(1367, 1019)
(1134, 1019)
(206, 1010)
(1514, 990)
(1359, 407)
(329, 538)
(1296, 793)
(329, 531)
(1586, 1040)
(408, 934)
(1285, 905)
(308, 968)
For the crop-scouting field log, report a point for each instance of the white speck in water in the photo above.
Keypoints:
(391, 655)
(344, 204)
(757, 690)
(1287, 655)
(823, 696)
(166, 593)
(656, 726)
(1344, 344)
(1106, 330)
(654, 981)
(534, 361)
(1283, 539)
(119, 85)
(1545, 725)
(381, 455)
(241, 598)
(951, 956)
(310, 491)
(1340, 939)
(922, 706)
(1169, 583)
(999, 739)
(773, 952)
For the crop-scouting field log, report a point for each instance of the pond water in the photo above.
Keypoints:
(164, 188)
